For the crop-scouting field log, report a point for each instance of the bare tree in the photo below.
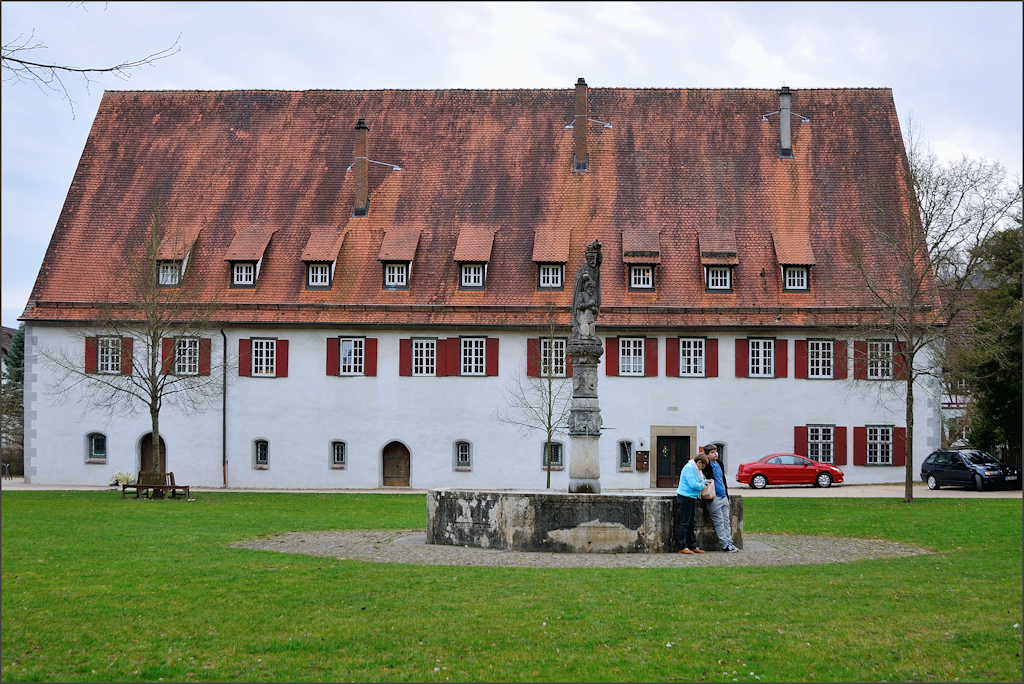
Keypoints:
(917, 256)
(541, 400)
(147, 348)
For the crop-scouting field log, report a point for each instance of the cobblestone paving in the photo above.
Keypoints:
(409, 546)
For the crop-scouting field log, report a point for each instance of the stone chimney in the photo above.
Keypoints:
(580, 158)
(361, 168)
(785, 135)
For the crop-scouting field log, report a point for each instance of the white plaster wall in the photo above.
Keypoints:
(300, 415)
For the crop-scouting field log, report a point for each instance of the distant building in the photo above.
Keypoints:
(381, 263)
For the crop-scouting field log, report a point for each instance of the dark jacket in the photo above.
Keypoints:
(710, 474)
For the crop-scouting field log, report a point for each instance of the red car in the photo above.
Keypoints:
(780, 469)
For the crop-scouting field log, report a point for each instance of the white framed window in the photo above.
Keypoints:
(169, 273)
(641, 277)
(108, 350)
(719, 278)
(338, 455)
(625, 455)
(261, 453)
(820, 443)
(243, 273)
(879, 444)
(396, 276)
(551, 275)
(351, 355)
(186, 356)
(631, 356)
(819, 358)
(318, 275)
(552, 357)
(762, 358)
(557, 462)
(691, 357)
(795, 277)
(463, 455)
(473, 356)
(472, 276)
(264, 358)
(424, 357)
(97, 448)
(879, 360)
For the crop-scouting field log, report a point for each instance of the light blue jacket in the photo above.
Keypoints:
(691, 481)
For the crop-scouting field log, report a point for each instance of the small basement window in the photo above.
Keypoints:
(556, 456)
(261, 454)
(463, 456)
(338, 455)
(97, 452)
(625, 455)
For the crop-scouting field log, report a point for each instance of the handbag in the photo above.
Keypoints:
(709, 490)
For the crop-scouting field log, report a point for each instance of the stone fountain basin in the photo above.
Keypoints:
(560, 522)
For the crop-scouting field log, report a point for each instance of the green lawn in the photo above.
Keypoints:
(96, 588)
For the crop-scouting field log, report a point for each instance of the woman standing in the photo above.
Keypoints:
(691, 482)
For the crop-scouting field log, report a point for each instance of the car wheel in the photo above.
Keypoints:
(758, 482)
(823, 480)
(978, 484)
(932, 482)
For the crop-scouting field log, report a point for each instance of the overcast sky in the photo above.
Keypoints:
(955, 67)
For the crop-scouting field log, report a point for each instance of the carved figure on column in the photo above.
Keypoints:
(586, 293)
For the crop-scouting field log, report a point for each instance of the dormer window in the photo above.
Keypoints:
(243, 274)
(396, 275)
(795, 278)
(318, 276)
(551, 276)
(168, 273)
(718, 278)
(472, 276)
(641, 277)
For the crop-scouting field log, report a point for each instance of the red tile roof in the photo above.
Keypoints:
(677, 163)
(641, 246)
(474, 243)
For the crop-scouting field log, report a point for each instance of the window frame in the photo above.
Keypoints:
(262, 343)
(471, 271)
(359, 342)
(91, 455)
(879, 445)
(818, 443)
(460, 448)
(557, 448)
(878, 365)
(813, 355)
(686, 362)
(632, 343)
(473, 355)
(335, 463)
(641, 278)
(425, 344)
(626, 458)
(108, 355)
(765, 357)
(804, 270)
(559, 361)
(327, 273)
(558, 269)
(174, 279)
(402, 267)
(236, 282)
(186, 350)
(708, 279)
(261, 454)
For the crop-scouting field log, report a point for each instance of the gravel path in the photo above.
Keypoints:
(409, 546)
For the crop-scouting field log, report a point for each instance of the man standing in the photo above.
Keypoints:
(718, 507)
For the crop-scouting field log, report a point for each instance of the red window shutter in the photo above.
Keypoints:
(492, 356)
(742, 364)
(282, 359)
(441, 358)
(92, 355)
(568, 365)
(126, 355)
(611, 356)
(899, 446)
(167, 345)
(839, 361)
(711, 358)
(781, 358)
(651, 357)
(405, 357)
(244, 357)
(370, 357)
(899, 361)
(800, 359)
(672, 357)
(860, 446)
(839, 446)
(860, 360)
(533, 357)
(800, 440)
(205, 347)
(333, 355)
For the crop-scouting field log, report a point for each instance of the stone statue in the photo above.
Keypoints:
(586, 293)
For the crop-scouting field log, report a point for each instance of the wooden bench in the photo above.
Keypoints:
(151, 482)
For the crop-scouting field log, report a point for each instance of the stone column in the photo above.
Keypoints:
(585, 416)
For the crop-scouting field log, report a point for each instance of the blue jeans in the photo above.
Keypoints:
(687, 522)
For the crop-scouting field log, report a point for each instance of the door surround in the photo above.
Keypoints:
(669, 431)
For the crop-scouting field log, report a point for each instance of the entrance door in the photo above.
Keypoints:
(673, 453)
(396, 465)
(147, 454)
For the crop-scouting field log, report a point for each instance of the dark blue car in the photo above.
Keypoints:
(967, 468)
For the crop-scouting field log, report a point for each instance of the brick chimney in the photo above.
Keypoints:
(362, 201)
(580, 158)
(785, 136)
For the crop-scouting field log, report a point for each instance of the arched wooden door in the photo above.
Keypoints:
(396, 465)
(146, 465)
